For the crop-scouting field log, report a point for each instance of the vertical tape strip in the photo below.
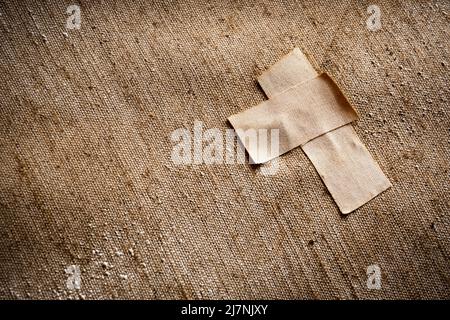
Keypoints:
(289, 71)
(345, 165)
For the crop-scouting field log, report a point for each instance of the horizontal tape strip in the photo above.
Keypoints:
(301, 113)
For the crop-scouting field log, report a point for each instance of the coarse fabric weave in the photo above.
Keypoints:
(86, 176)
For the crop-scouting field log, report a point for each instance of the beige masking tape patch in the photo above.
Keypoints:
(300, 113)
(348, 170)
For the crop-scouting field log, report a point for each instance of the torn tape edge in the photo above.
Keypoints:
(281, 60)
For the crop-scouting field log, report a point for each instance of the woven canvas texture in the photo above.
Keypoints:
(86, 176)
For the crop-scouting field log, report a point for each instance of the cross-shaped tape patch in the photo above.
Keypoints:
(310, 111)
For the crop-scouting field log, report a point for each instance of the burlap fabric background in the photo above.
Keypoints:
(85, 167)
